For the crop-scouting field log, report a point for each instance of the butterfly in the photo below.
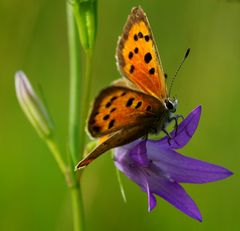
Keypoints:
(138, 103)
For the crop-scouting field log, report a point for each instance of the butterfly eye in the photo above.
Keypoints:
(170, 105)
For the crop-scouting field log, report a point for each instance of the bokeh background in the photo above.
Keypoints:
(33, 37)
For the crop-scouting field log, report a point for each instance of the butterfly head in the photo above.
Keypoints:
(171, 104)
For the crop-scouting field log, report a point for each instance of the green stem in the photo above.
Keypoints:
(77, 208)
(75, 87)
(56, 154)
(86, 99)
(74, 118)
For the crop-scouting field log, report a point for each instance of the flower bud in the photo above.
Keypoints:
(85, 12)
(32, 106)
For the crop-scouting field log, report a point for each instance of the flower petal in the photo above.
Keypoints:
(176, 195)
(121, 152)
(185, 169)
(158, 184)
(129, 167)
(185, 131)
(139, 154)
(152, 202)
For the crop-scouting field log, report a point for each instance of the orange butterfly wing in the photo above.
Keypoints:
(119, 107)
(137, 56)
(121, 115)
(113, 140)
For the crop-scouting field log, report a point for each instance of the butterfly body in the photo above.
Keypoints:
(139, 103)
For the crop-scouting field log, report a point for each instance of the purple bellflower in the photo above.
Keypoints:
(158, 169)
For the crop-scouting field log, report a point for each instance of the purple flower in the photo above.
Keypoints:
(158, 169)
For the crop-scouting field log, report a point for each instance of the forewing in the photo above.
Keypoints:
(137, 56)
(119, 107)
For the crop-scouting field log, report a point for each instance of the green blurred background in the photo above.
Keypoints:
(33, 195)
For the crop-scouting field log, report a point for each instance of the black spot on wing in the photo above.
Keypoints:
(147, 57)
(149, 108)
(113, 98)
(131, 69)
(111, 124)
(130, 55)
(147, 38)
(113, 109)
(151, 71)
(129, 102)
(135, 37)
(140, 35)
(136, 50)
(106, 117)
(138, 105)
(108, 104)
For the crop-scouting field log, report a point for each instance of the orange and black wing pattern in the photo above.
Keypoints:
(137, 56)
(118, 107)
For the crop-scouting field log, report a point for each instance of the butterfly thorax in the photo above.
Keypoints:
(164, 117)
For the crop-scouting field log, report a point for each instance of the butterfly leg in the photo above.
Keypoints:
(175, 118)
(168, 135)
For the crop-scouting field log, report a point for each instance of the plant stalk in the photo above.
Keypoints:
(77, 208)
(57, 155)
(74, 118)
(85, 100)
(75, 84)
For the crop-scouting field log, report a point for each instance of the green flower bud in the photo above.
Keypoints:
(85, 12)
(32, 106)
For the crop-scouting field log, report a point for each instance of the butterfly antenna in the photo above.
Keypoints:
(174, 77)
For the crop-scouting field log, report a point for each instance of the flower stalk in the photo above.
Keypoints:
(85, 13)
(53, 147)
(77, 208)
(75, 84)
(85, 100)
(74, 118)
(81, 17)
